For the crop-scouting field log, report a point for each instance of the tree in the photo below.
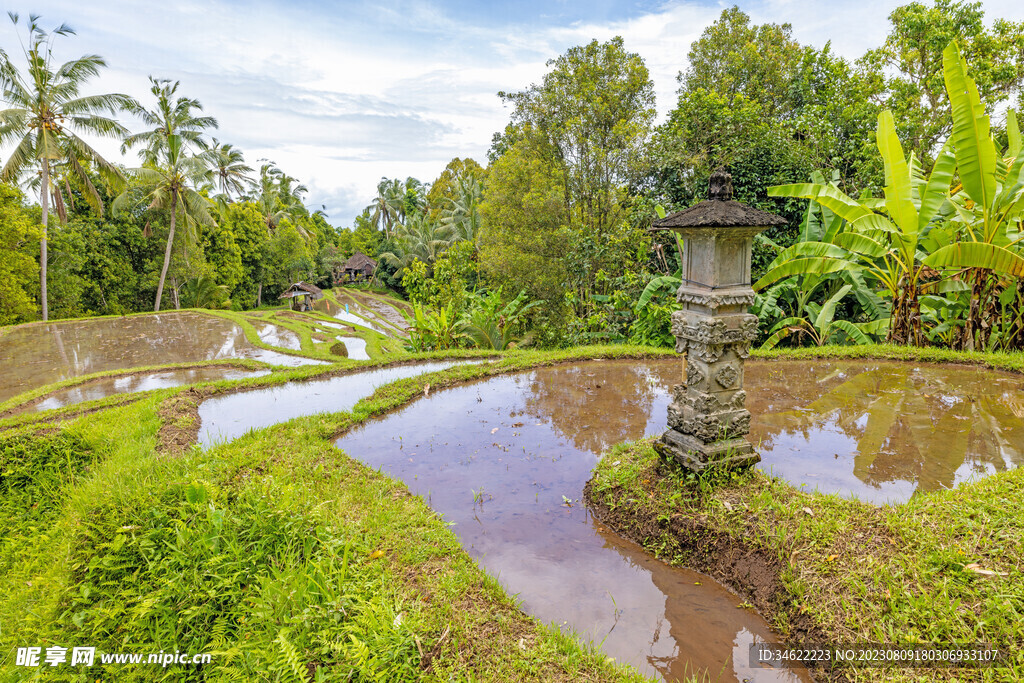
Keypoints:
(169, 187)
(46, 115)
(907, 70)
(593, 110)
(230, 170)
(733, 57)
(525, 234)
(17, 230)
(445, 188)
(173, 115)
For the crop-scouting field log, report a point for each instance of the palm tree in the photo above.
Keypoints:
(463, 213)
(279, 197)
(169, 186)
(46, 115)
(172, 116)
(387, 206)
(419, 238)
(228, 164)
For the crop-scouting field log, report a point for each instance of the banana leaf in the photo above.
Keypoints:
(977, 255)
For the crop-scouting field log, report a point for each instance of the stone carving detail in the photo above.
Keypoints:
(709, 330)
(709, 353)
(740, 424)
(739, 399)
(693, 375)
(727, 376)
(714, 301)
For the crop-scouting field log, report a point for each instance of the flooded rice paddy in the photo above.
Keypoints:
(225, 418)
(356, 348)
(109, 386)
(341, 313)
(882, 430)
(34, 355)
(506, 460)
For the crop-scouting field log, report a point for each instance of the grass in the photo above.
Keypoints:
(276, 552)
(291, 561)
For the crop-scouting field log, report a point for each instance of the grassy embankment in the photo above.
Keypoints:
(276, 552)
(945, 567)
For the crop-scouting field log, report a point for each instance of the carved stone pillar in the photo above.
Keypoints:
(707, 418)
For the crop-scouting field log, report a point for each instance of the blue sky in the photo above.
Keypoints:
(340, 94)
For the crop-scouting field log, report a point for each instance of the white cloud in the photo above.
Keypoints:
(339, 96)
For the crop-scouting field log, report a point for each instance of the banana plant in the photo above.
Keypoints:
(824, 328)
(988, 204)
(886, 247)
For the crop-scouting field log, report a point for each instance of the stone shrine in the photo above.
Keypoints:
(707, 419)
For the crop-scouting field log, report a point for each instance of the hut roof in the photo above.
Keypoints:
(302, 288)
(358, 261)
(719, 210)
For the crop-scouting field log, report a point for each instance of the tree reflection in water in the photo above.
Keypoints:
(920, 427)
(594, 406)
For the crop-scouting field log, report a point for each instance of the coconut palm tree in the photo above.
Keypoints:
(46, 114)
(172, 116)
(463, 213)
(170, 186)
(228, 164)
(387, 206)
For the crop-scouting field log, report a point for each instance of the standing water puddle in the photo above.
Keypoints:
(38, 354)
(506, 459)
(227, 417)
(109, 386)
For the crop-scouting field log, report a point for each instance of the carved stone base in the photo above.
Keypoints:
(696, 455)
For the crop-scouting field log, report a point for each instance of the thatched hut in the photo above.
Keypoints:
(359, 267)
(302, 295)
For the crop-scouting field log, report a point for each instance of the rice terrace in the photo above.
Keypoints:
(670, 342)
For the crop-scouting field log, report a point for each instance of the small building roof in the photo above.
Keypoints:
(358, 261)
(719, 210)
(302, 288)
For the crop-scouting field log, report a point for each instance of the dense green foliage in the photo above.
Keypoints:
(557, 219)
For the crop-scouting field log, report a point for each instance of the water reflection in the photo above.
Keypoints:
(881, 430)
(109, 386)
(500, 458)
(224, 418)
(39, 354)
(335, 311)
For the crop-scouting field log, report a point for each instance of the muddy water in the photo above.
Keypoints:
(883, 430)
(228, 417)
(506, 459)
(335, 311)
(135, 383)
(34, 355)
(356, 348)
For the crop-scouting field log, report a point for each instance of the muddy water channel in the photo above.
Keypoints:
(34, 355)
(506, 459)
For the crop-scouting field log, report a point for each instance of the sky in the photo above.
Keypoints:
(340, 94)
